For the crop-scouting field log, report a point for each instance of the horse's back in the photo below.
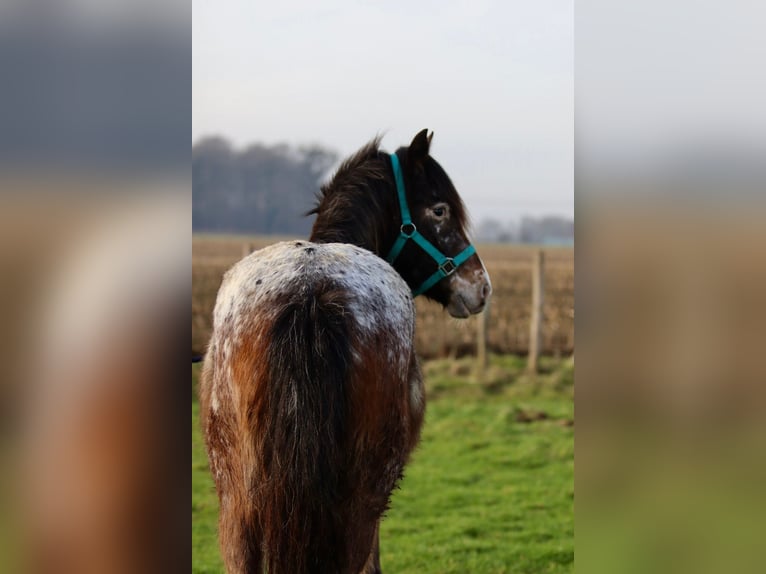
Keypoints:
(259, 284)
(308, 402)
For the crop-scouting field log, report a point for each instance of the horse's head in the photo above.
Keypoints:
(452, 273)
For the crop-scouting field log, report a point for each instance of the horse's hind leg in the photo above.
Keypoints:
(239, 541)
(372, 566)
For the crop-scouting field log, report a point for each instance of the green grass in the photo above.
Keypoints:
(483, 492)
(205, 554)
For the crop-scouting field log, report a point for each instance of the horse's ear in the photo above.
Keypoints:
(418, 150)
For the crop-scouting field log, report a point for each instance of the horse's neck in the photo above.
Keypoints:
(364, 227)
(364, 238)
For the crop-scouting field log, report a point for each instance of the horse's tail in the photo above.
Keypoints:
(303, 434)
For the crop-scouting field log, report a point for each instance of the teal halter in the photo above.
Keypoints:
(447, 265)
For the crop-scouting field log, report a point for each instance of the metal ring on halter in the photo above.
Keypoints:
(448, 267)
(406, 233)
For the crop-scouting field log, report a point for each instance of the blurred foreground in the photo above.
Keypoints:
(671, 286)
(94, 444)
(95, 219)
(671, 396)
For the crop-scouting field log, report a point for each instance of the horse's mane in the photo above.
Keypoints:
(356, 171)
(350, 207)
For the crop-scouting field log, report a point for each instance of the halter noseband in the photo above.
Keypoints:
(447, 265)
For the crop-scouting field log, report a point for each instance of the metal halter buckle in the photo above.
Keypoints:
(408, 229)
(448, 267)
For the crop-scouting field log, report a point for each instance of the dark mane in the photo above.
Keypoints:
(355, 171)
(350, 206)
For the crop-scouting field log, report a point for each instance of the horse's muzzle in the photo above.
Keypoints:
(469, 292)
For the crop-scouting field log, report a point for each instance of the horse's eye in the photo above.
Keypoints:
(439, 211)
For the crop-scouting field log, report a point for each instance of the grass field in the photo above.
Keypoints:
(489, 489)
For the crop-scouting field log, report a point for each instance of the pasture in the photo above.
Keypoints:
(490, 489)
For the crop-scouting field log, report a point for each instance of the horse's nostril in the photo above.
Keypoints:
(486, 290)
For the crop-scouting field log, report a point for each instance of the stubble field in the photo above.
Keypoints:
(437, 335)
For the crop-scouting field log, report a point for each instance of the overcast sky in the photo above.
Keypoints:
(493, 80)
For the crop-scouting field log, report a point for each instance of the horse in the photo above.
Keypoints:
(311, 394)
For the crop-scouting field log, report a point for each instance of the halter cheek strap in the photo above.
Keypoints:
(446, 265)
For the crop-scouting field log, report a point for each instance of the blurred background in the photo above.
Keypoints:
(671, 295)
(95, 222)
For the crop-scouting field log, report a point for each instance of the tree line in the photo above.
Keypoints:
(549, 229)
(259, 189)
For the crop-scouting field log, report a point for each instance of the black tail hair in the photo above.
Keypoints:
(308, 359)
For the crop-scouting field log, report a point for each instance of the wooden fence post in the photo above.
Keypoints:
(247, 249)
(482, 356)
(535, 324)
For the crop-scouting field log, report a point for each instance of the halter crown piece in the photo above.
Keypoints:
(447, 265)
